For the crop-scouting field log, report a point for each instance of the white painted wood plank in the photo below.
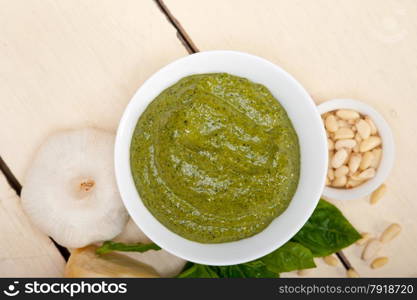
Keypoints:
(24, 251)
(361, 49)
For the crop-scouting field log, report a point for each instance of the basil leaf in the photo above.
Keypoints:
(253, 269)
(327, 231)
(110, 246)
(198, 271)
(289, 257)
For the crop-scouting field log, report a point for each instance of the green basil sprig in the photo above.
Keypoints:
(326, 231)
(110, 246)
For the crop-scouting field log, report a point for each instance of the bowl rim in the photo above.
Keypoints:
(388, 146)
(251, 248)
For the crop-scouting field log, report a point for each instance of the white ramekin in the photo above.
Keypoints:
(313, 145)
(388, 149)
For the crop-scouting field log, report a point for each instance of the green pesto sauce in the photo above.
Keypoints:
(215, 158)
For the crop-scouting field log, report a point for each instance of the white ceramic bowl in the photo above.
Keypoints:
(388, 150)
(313, 145)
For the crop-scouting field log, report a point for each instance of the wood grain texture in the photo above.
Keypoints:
(24, 251)
(66, 64)
(360, 49)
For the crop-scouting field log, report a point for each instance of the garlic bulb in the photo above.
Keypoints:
(70, 192)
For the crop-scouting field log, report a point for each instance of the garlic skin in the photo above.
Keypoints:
(70, 190)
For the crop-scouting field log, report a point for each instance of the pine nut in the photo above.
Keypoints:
(354, 162)
(379, 262)
(355, 176)
(347, 114)
(377, 153)
(351, 183)
(365, 238)
(349, 151)
(371, 249)
(331, 123)
(330, 144)
(339, 158)
(356, 148)
(367, 174)
(339, 181)
(304, 272)
(349, 143)
(342, 123)
(371, 125)
(343, 133)
(331, 260)
(370, 143)
(390, 233)
(331, 154)
(378, 193)
(366, 161)
(363, 129)
(330, 174)
(351, 273)
(341, 171)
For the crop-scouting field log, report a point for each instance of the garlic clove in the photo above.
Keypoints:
(86, 263)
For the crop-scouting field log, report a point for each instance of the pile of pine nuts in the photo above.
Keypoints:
(371, 245)
(374, 245)
(354, 148)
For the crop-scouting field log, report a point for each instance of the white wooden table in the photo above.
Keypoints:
(74, 63)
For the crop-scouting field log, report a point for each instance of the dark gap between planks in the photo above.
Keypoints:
(15, 185)
(346, 263)
(11, 179)
(181, 33)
